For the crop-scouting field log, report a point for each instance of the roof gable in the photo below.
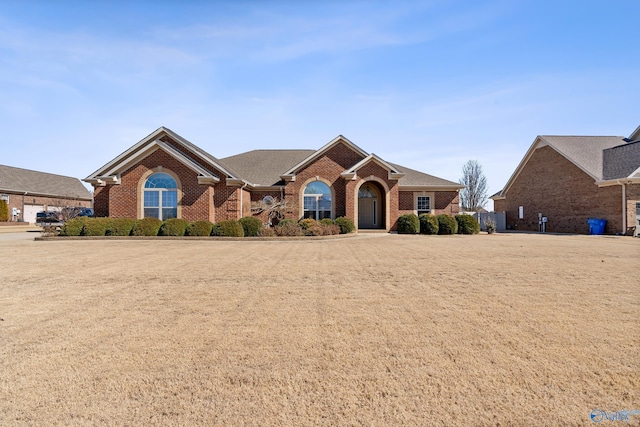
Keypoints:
(154, 141)
(290, 174)
(17, 180)
(394, 173)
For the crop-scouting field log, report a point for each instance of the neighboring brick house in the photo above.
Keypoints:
(28, 192)
(164, 175)
(569, 179)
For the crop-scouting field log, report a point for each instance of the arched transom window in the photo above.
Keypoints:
(317, 201)
(160, 197)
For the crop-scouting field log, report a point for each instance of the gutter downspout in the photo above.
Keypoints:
(624, 208)
(22, 212)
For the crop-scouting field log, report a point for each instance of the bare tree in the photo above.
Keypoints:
(474, 196)
(275, 208)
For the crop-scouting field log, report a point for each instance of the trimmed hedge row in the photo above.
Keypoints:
(438, 224)
(250, 226)
(245, 227)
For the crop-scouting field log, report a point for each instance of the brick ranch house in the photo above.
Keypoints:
(569, 179)
(28, 192)
(165, 176)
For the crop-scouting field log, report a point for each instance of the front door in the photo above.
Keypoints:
(368, 207)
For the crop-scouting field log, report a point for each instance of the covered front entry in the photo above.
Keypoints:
(370, 206)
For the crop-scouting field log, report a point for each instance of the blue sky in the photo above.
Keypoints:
(427, 84)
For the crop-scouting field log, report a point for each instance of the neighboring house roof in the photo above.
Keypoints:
(622, 162)
(586, 152)
(264, 167)
(635, 136)
(17, 180)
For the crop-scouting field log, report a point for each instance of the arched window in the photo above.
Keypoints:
(160, 197)
(317, 200)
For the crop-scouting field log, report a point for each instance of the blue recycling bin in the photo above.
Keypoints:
(596, 225)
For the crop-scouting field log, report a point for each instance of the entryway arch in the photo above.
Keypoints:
(371, 204)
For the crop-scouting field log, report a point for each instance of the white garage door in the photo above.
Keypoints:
(30, 212)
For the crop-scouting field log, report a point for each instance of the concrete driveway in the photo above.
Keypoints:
(19, 232)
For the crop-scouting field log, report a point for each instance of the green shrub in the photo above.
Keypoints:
(447, 224)
(4, 211)
(74, 226)
(199, 228)
(467, 224)
(429, 224)
(173, 227)
(120, 227)
(146, 227)
(229, 228)
(95, 227)
(346, 225)
(251, 225)
(327, 221)
(288, 227)
(408, 224)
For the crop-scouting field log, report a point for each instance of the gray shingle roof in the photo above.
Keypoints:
(19, 180)
(417, 178)
(621, 161)
(584, 151)
(264, 167)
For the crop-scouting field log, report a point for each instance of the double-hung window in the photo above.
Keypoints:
(423, 205)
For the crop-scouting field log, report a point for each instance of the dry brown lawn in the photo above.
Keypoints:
(375, 330)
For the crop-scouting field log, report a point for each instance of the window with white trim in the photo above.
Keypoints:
(4, 197)
(317, 201)
(160, 197)
(423, 205)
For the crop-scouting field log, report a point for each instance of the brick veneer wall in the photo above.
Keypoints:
(552, 185)
(447, 202)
